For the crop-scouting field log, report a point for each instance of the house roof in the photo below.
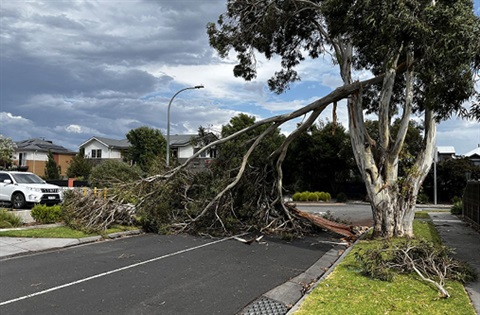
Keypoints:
(175, 141)
(111, 143)
(185, 140)
(475, 151)
(446, 150)
(41, 145)
(181, 140)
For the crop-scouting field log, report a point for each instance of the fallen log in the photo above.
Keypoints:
(349, 231)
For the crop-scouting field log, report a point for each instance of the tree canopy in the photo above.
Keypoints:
(79, 166)
(147, 145)
(232, 152)
(320, 159)
(7, 149)
(442, 35)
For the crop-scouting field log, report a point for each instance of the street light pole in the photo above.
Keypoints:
(168, 117)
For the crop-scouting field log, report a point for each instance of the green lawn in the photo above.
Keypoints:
(421, 215)
(59, 232)
(346, 291)
(53, 232)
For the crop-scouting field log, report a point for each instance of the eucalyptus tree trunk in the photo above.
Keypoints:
(392, 198)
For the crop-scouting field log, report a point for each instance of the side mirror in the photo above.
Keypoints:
(7, 181)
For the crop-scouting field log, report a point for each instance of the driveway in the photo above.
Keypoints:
(153, 274)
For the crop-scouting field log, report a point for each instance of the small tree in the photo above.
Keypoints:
(147, 145)
(79, 166)
(52, 170)
(7, 149)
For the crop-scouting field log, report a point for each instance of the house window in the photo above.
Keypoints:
(213, 153)
(202, 155)
(175, 153)
(22, 159)
(97, 154)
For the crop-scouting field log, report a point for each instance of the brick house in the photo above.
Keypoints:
(32, 155)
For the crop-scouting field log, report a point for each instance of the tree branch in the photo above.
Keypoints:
(334, 96)
(407, 109)
(240, 172)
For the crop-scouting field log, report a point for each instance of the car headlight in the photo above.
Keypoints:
(35, 189)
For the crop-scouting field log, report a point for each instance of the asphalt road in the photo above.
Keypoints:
(152, 274)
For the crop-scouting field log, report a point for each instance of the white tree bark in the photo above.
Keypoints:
(392, 199)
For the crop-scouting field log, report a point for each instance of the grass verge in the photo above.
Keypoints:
(422, 215)
(346, 291)
(52, 232)
(60, 232)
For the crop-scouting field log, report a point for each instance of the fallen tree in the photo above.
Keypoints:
(423, 56)
(199, 210)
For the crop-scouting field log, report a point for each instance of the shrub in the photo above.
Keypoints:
(456, 208)
(296, 196)
(342, 197)
(456, 199)
(46, 215)
(313, 196)
(325, 196)
(9, 220)
(304, 196)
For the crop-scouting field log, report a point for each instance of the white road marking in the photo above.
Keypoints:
(113, 271)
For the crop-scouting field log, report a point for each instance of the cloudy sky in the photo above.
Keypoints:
(73, 69)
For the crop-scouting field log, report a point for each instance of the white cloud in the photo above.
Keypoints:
(9, 118)
(74, 129)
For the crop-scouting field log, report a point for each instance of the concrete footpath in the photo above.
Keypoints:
(13, 246)
(465, 241)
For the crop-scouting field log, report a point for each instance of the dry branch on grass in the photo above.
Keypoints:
(434, 264)
(93, 213)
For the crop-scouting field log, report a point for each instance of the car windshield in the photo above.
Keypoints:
(27, 179)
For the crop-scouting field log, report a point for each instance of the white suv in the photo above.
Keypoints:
(22, 188)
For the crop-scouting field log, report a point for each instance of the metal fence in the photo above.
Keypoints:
(471, 202)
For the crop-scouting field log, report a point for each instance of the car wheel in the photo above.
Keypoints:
(18, 201)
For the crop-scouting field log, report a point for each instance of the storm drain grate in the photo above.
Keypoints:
(265, 306)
